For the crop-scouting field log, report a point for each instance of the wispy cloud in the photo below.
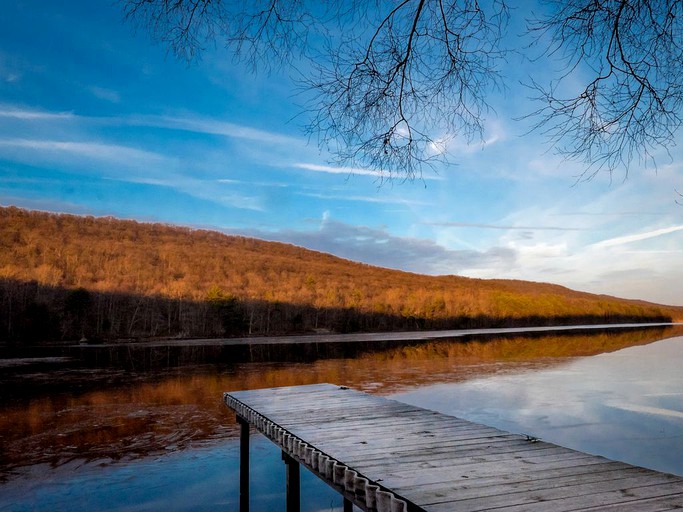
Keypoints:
(457, 145)
(212, 127)
(350, 171)
(274, 184)
(143, 181)
(605, 214)
(502, 226)
(10, 71)
(9, 111)
(240, 201)
(87, 149)
(106, 94)
(339, 170)
(201, 189)
(379, 247)
(621, 240)
(46, 205)
(646, 409)
(182, 123)
(363, 199)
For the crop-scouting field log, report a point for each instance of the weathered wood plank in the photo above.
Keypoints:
(380, 453)
(658, 504)
(463, 485)
(576, 502)
(533, 493)
(469, 467)
(449, 444)
(358, 437)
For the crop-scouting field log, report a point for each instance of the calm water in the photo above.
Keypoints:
(85, 439)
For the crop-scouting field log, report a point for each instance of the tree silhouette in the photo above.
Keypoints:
(630, 104)
(128, 287)
(397, 80)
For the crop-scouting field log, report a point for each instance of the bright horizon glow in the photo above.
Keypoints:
(97, 120)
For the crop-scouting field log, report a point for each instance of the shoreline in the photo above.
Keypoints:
(403, 336)
(169, 353)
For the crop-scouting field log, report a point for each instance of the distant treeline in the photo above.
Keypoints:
(34, 314)
(67, 277)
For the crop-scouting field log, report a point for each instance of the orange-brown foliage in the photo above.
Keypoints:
(176, 263)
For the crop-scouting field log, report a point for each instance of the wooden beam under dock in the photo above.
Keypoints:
(244, 464)
(386, 456)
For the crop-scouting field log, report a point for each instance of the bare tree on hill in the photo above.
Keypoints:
(395, 81)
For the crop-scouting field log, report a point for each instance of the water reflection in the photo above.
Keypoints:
(626, 406)
(109, 415)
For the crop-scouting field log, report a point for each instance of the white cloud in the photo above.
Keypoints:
(9, 69)
(201, 189)
(46, 205)
(339, 170)
(494, 133)
(182, 123)
(240, 201)
(621, 240)
(535, 253)
(653, 275)
(645, 409)
(273, 184)
(364, 199)
(354, 171)
(212, 127)
(438, 146)
(103, 93)
(9, 111)
(11, 77)
(590, 250)
(503, 227)
(143, 181)
(89, 150)
(378, 247)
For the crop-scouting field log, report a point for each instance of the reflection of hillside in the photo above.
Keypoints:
(177, 409)
(527, 348)
(391, 370)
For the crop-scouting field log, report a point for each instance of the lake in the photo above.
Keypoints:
(74, 437)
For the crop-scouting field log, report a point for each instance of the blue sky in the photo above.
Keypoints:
(96, 119)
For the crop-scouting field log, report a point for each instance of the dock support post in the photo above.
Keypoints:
(348, 506)
(293, 484)
(244, 464)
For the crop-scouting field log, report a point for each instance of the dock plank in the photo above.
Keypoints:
(384, 455)
(556, 495)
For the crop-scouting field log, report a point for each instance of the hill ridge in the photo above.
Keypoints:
(268, 287)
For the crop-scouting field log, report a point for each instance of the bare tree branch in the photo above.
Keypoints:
(629, 53)
(184, 25)
(420, 80)
(396, 80)
(390, 94)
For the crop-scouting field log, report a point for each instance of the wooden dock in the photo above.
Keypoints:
(386, 456)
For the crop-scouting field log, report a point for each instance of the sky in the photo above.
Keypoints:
(98, 119)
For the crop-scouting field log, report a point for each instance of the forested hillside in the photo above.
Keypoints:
(68, 277)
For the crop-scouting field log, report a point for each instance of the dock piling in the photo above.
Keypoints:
(244, 464)
(293, 483)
